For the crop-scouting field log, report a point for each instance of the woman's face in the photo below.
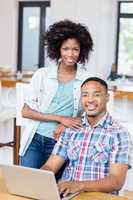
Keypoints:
(70, 50)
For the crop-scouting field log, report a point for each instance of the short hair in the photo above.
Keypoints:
(97, 79)
(60, 31)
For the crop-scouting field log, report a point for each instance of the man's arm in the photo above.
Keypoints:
(111, 183)
(54, 163)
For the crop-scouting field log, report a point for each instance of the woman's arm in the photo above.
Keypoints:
(30, 113)
(70, 122)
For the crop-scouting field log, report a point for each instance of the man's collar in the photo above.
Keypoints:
(103, 122)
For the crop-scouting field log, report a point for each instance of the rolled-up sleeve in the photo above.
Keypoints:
(121, 148)
(32, 98)
(61, 146)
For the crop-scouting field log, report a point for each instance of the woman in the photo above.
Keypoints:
(53, 102)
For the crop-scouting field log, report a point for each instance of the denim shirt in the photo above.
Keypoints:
(43, 88)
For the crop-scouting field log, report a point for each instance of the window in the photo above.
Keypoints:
(124, 47)
(31, 28)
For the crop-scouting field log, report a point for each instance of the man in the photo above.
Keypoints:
(98, 153)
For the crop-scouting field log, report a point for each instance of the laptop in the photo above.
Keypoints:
(33, 183)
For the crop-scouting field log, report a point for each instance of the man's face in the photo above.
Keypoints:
(94, 98)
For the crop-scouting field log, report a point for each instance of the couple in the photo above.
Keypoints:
(98, 152)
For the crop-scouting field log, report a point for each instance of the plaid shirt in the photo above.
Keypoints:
(91, 150)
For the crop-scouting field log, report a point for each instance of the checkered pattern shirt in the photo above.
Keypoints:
(91, 150)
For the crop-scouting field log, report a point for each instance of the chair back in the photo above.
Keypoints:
(0, 94)
(110, 104)
(118, 108)
(22, 89)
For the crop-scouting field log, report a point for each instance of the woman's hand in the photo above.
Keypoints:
(59, 129)
(71, 122)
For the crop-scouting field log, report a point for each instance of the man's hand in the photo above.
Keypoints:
(67, 187)
(59, 129)
(71, 122)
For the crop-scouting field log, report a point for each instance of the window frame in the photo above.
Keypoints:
(21, 6)
(119, 16)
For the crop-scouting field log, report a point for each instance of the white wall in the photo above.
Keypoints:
(8, 22)
(98, 15)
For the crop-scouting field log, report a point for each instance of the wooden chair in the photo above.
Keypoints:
(117, 110)
(7, 112)
(21, 91)
(110, 103)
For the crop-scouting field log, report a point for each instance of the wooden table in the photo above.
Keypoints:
(11, 81)
(4, 195)
(118, 91)
(121, 92)
(98, 196)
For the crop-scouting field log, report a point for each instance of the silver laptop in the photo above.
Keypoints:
(32, 183)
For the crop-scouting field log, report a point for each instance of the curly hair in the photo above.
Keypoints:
(63, 30)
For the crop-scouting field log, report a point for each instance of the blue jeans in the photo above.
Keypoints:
(38, 153)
